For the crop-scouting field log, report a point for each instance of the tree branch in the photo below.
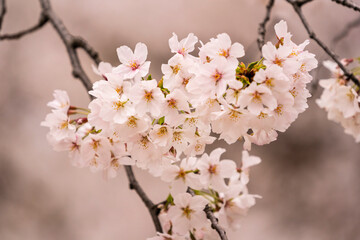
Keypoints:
(2, 11)
(313, 36)
(153, 209)
(42, 21)
(348, 4)
(214, 221)
(71, 44)
(262, 25)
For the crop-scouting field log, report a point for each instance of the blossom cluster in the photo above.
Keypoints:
(340, 99)
(163, 126)
(217, 185)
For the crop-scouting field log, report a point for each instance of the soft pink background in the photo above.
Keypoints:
(309, 178)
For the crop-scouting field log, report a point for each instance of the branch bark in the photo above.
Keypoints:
(348, 4)
(152, 208)
(2, 11)
(42, 21)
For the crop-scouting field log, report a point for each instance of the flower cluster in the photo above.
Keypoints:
(163, 126)
(220, 185)
(340, 99)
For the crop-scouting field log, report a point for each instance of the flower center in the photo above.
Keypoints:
(175, 68)
(148, 96)
(162, 131)
(119, 104)
(212, 169)
(278, 61)
(187, 212)
(132, 122)
(172, 103)
(217, 76)
(224, 53)
(134, 65)
(256, 96)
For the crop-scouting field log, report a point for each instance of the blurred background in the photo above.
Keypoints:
(309, 178)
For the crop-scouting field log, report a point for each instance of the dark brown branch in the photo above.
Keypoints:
(348, 4)
(214, 221)
(71, 43)
(313, 36)
(262, 25)
(153, 209)
(2, 11)
(42, 21)
(346, 30)
(300, 3)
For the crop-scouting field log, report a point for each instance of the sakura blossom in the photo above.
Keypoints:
(164, 126)
(341, 99)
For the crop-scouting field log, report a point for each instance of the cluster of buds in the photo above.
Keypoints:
(340, 98)
(163, 126)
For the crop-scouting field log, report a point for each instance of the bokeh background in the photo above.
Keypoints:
(309, 177)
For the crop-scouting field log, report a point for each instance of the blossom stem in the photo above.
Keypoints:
(214, 221)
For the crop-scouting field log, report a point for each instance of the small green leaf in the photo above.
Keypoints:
(161, 120)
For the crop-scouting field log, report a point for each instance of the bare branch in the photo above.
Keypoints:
(153, 209)
(348, 4)
(2, 11)
(71, 43)
(312, 35)
(42, 21)
(346, 30)
(262, 25)
(214, 221)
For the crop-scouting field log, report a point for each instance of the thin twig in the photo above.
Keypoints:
(346, 30)
(348, 4)
(214, 221)
(262, 25)
(313, 36)
(153, 209)
(2, 11)
(42, 21)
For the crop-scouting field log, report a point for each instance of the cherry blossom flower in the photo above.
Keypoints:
(133, 63)
(187, 213)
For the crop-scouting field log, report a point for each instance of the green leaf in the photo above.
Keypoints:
(161, 120)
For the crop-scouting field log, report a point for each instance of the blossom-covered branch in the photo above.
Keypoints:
(297, 7)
